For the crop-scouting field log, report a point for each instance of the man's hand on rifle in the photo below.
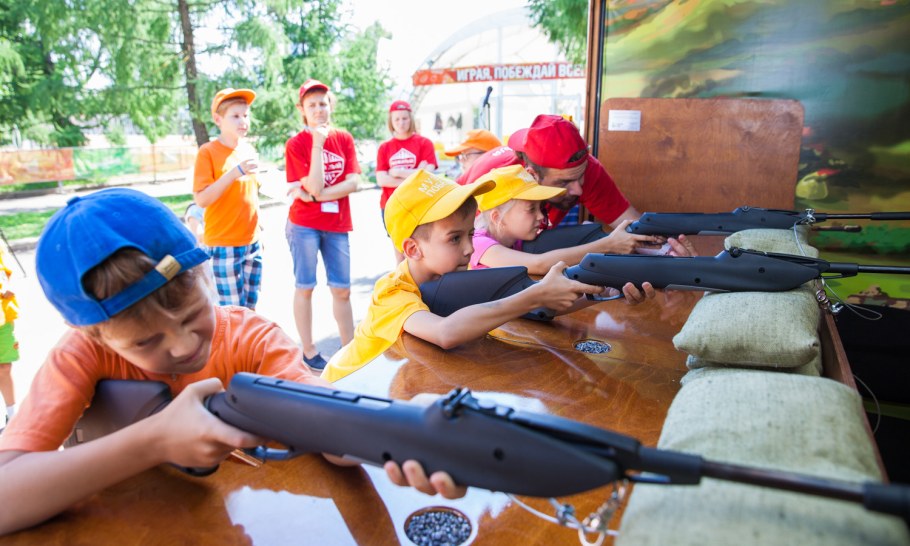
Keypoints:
(681, 246)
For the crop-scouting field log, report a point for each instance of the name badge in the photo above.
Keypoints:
(330, 207)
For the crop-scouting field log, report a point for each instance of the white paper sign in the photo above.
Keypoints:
(624, 120)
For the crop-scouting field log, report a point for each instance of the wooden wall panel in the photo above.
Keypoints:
(704, 155)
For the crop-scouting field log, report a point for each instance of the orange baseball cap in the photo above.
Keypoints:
(230, 93)
(513, 182)
(312, 85)
(423, 198)
(481, 139)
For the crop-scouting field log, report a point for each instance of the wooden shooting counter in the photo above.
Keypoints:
(528, 365)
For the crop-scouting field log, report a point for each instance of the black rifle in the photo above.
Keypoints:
(564, 237)
(724, 223)
(482, 444)
(733, 270)
(459, 289)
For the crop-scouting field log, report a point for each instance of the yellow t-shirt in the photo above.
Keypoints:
(395, 298)
(9, 307)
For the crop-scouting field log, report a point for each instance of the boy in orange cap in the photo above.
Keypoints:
(225, 185)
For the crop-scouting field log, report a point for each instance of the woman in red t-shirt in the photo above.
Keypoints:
(322, 169)
(401, 155)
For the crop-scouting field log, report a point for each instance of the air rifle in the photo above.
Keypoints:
(724, 223)
(564, 237)
(733, 270)
(459, 289)
(479, 443)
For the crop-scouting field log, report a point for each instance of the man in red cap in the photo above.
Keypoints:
(556, 155)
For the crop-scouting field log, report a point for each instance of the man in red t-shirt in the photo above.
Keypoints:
(555, 154)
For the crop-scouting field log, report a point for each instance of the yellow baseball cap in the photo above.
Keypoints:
(423, 198)
(513, 182)
(230, 93)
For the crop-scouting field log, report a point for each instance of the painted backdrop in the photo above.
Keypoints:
(848, 62)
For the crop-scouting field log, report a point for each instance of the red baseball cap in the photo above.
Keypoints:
(399, 105)
(503, 156)
(312, 85)
(550, 142)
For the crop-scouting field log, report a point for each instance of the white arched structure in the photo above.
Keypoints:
(501, 38)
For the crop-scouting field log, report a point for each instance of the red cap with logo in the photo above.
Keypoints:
(312, 85)
(399, 105)
(550, 142)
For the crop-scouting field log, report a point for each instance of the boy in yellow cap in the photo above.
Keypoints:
(430, 219)
(511, 213)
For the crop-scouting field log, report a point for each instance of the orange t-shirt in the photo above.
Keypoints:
(233, 219)
(64, 386)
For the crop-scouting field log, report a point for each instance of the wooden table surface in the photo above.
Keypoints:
(528, 365)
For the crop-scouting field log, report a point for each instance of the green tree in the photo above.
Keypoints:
(83, 64)
(565, 23)
(87, 65)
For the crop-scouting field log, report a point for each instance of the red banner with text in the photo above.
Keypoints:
(498, 72)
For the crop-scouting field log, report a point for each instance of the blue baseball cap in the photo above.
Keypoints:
(89, 229)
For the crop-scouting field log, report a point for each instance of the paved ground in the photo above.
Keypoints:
(40, 326)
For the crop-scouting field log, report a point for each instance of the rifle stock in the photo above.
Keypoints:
(459, 289)
(563, 237)
(724, 223)
(479, 443)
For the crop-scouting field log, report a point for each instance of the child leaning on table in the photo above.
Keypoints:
(511, 214)
(128, 277)
(430, 219)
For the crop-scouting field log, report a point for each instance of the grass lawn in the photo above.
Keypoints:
(24, 225)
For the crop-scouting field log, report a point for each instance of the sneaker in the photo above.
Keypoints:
(316, 363)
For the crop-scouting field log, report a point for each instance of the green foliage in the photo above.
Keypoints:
(362, 104)
(70, 67)
(873, 239)
(565, 23)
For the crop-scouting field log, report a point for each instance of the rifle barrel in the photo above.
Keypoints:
(883, 216)
(890, 269)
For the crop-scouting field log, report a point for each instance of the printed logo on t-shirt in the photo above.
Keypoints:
(403, 159)
(332, 166)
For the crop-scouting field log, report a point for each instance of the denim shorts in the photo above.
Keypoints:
(306, 242)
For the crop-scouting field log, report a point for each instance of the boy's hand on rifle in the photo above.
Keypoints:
(411, 474)
(633, 295)
(185, 433)
(558, 292)
(619, 241)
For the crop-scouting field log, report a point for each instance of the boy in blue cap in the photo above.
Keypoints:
(126, 274)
